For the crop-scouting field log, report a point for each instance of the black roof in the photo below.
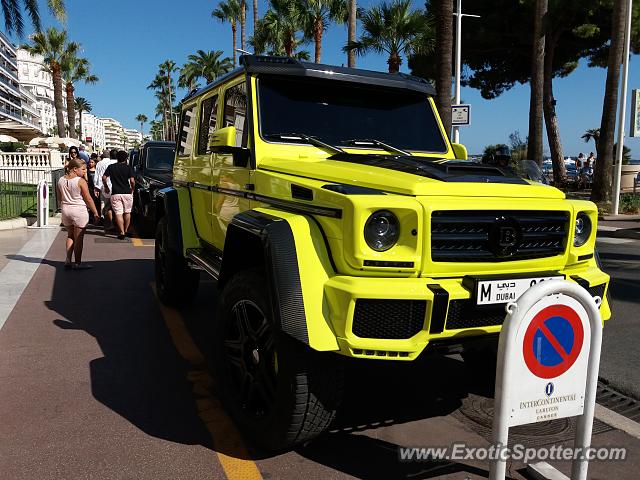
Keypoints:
(158, 143)
(291, 66)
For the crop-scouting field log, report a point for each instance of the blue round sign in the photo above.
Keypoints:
(553, 341)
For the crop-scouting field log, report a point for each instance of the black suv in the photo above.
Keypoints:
(152, 165)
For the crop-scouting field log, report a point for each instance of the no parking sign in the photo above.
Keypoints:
(548, 359)
(551, 364)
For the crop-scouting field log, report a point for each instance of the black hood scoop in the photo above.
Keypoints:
(443, 170)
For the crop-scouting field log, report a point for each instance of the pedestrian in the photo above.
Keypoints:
(73, 195)
(591, 160)
(91, 173)
(73, 153)
(580, 162)
(122, 181)
(108, 158)
(83, 154)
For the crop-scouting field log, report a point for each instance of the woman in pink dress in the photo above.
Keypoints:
(73, 194)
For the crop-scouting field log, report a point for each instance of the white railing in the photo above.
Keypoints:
(46, 160)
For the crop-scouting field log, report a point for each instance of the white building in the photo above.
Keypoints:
(15, 120)
(113, 133)
(134, 138)
(37, 81)
(92, 131)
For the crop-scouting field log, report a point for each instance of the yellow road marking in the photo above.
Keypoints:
(235, 460)
(137, 242)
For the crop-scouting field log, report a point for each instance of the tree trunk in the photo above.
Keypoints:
(172, 127)
(255, 16)
(82, 137)
(444, 57)
(243, 25)
(233, 33)
(57, 97)
(394, 63)
(550, 117)
(534, 147)
(288, 46)
(71, 111)
(318, 28)
(353, 9)
(602, 178)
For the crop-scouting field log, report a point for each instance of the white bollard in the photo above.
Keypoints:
(43, 204)
(532, 384)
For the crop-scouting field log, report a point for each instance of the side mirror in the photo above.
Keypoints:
(460, 151)
(221, 138)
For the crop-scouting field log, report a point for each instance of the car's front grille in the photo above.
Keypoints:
(388, 318)
(495, 236)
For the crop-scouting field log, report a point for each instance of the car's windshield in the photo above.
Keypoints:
(160, 158)
(338, 112)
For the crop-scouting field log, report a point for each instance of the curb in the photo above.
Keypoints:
(24, 222)
(13, 223)
(618, 218)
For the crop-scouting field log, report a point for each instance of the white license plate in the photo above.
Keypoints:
(506, 290)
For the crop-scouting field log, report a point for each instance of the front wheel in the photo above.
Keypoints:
(176, 283)
(279, 392)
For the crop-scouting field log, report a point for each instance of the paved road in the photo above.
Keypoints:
(620, 354)
(98, 381)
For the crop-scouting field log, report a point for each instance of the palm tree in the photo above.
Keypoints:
(74, 70)
(255, 15)
(393, 29)
(54, 47)
(166, 69)
(317, 15)
(278, 31)
(444, 60)
(592, 134)
(229, 11)
(353, 14)
(142, 118)
(209, 65)
(81, 104)
(534, 147)
(243, 24)
(189, 74)
(12, 13)
(602, 178)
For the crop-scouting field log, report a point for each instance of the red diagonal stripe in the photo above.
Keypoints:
(552, 339)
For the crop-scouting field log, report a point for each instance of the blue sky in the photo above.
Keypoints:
(126, 40)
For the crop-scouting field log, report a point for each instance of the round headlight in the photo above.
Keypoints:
(382, 230)
(582, 230)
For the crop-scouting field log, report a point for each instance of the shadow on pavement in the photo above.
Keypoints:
(140, 376)
(380, 394)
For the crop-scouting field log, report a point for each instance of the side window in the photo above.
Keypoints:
(208, 116)
(187, 131)
(235, 112)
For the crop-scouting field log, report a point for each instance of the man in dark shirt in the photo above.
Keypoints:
(122, 183)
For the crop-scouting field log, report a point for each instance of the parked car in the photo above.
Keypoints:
(152, 165)
(338, 220)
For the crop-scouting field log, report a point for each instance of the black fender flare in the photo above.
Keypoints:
(256, 239)
(169, 208)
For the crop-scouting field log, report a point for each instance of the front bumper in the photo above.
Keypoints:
(397, 318)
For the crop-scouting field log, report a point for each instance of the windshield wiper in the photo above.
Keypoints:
(376, 143)
(310, 140)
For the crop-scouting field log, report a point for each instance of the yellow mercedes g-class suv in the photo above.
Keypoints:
(337, 218)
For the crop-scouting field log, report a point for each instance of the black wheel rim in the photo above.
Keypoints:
(251, 358)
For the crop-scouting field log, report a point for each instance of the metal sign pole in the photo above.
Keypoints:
(623, 106)
(511, 358)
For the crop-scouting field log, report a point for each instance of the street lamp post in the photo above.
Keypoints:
(458, 13)
(623, 106)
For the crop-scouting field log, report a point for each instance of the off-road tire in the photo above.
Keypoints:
(307, 385)
(176, 283)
